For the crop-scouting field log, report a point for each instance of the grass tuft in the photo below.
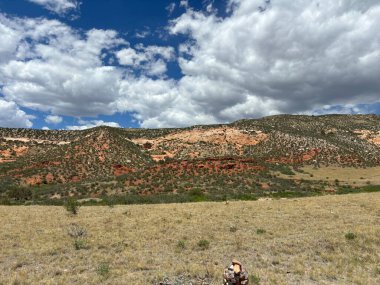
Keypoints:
(80, 244)
(233, 229)
(350, 236)
(181, 245)
(260, 231)
(255, 279)
(103, 269)
(203, 244)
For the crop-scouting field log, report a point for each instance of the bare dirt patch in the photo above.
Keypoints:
(33, 180)
(35, 140)
(10, 155)
(217, 136)
(371, 136)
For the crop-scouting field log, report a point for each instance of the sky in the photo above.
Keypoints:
(77, 64)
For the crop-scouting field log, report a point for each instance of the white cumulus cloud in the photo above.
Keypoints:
(12, 117)
(58, 6)
(83, 124)
(55, 69)
(52, 119)
(152, 60)
(280, 56)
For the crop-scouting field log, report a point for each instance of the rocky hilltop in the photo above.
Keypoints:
(241, 157)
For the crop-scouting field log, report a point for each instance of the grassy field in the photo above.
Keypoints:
(345, 176)
(319, 240)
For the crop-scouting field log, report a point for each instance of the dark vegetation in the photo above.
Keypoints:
(106, 166)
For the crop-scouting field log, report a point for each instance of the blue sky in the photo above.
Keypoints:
(68, 64)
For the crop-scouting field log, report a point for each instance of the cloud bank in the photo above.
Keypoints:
(263, 58)
(284, 57)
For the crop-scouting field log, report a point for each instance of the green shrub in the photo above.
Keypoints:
(370, 188)
(109, 201)
(260, 231)
(20, 194)
(181, 245)
(350, 236)
(103, 269)
(72, 205)
(80, 244)
(286, 170)
(233, 229)
(196, 195)
(5, 201)
(203, 244)
(255, 279)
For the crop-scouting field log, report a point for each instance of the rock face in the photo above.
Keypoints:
(199, 142)
(371, 136)
(218, 136)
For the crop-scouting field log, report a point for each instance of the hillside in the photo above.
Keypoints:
(245, 159)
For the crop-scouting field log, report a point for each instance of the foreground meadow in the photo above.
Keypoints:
(319, 240)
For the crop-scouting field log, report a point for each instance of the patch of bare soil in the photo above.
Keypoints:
(3, 160)
(160, 157)
(49, 178)
(10, 155)
(35, 140)
(218, 136)
(38, 179)
(371, 136)
(33, 180)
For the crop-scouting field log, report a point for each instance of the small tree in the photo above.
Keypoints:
(72, 205)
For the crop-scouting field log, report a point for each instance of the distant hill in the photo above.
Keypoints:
(237, 159)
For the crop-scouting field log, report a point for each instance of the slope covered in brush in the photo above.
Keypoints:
(94, 154)
(242, 158)
(351, 140)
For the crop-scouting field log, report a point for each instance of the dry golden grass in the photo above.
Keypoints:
(298, 241)
(346, 176)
